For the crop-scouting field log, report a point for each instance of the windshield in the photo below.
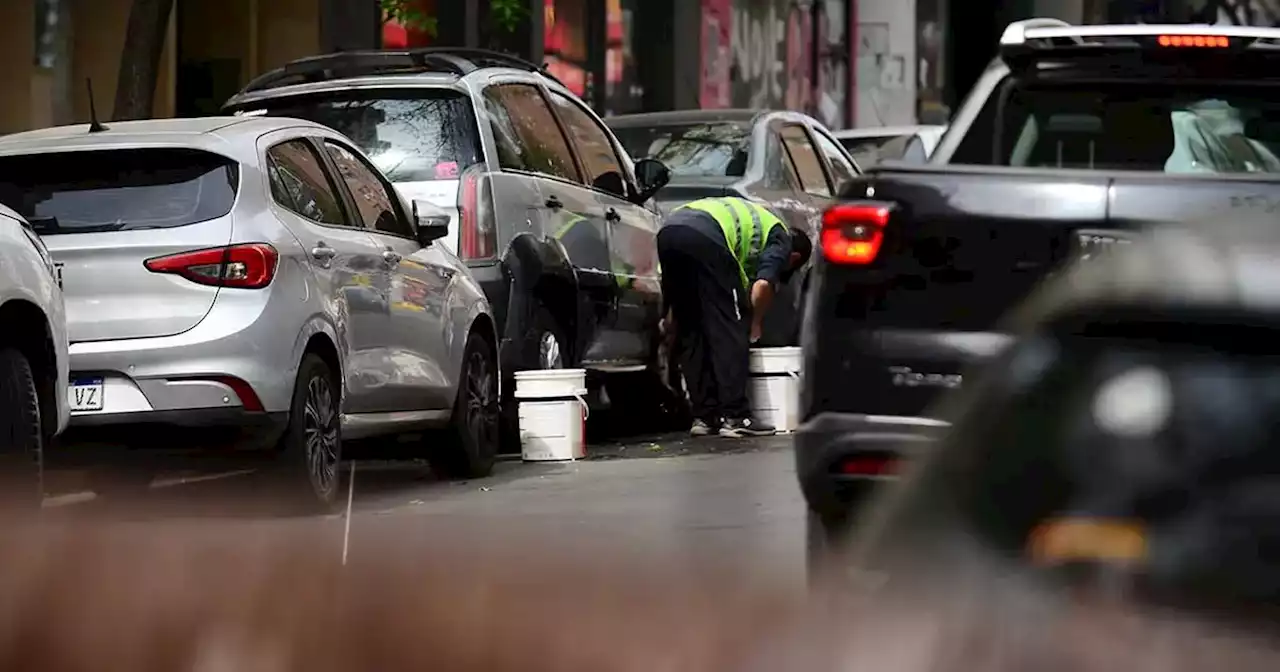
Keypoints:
(118, 190)
(411, 135)
(869, 150)
(693, 150)
(1152, 127)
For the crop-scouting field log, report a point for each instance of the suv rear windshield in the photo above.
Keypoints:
(411, 134)
(694, 150)
(1157, 127)
(119, 189)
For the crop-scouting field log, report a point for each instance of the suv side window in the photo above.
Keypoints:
(375, 200)
(805, 159)
(521, 119)
(300, 183)
(599, 159)
(842, 171)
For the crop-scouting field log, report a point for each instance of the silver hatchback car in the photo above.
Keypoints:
(258, 276)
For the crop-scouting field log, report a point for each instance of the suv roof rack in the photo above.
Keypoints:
(341, 65)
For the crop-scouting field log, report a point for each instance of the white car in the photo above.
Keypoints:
(34, 407)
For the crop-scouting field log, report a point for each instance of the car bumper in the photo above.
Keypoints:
(233, 366)
(830, 440)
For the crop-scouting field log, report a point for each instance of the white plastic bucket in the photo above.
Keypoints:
(553, 414)
(775, 386)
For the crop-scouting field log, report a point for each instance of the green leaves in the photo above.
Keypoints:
(407, 14)
(507, 14)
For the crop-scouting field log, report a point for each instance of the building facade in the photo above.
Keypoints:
(212, 48)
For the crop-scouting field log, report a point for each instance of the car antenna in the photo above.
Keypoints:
(95, 126)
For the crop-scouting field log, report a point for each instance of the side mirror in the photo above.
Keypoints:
(430, 223)
(651, 175)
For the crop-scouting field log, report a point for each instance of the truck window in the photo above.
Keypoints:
(1159, 127)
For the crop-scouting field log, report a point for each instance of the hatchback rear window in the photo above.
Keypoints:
(694, 150)
(412, 135)
(119, 189)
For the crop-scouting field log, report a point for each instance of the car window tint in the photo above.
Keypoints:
(842, 170)
(374, 199)
(594, 147)
(306, 187)
(118, 189)
(536, 144)
(805, 159)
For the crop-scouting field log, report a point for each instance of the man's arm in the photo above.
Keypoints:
(773, 261)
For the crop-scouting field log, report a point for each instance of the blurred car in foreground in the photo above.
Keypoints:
(871, 145)
(259, 281)
(551, 216)
(787, 161)
(34, 406)
(1130, 423)
(917, 267)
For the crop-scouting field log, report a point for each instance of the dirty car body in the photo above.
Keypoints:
(546, 210)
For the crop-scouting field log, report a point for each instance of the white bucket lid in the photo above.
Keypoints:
(551, 374)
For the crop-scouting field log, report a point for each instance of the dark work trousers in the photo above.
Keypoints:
(701, 285)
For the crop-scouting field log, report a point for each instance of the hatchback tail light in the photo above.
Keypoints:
(476, 239)
(852, 233)
(251, 266)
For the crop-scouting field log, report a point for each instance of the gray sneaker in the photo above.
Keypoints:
(700, 428)
(738, 428)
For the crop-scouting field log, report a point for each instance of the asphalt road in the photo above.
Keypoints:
(717, 500)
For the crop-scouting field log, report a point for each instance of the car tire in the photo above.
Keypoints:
(308, 471)
(471, 447)
(21, 433)
(545, 330)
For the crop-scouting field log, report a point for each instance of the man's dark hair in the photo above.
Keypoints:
(800, 244)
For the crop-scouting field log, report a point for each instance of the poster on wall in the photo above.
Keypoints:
(717, 45)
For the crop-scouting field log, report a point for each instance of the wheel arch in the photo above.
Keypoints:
(26, 327)
(320, 337)
(541, 275)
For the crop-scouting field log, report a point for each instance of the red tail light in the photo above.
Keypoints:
(475, 242)
(251, 266)
(853, 233)
(869, 466)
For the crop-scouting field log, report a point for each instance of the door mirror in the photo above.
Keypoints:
(651, 175)
(430, 223)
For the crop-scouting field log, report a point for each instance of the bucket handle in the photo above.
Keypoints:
(586, 410)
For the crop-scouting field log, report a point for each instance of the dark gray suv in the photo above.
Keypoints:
(548, 210)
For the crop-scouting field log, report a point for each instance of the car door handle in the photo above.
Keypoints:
(323, 252)
(554, 203)
(391, 257)
(612, 215)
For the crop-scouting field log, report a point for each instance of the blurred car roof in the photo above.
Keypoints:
(677, 117)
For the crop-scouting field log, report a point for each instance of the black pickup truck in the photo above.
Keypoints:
(1073, 136)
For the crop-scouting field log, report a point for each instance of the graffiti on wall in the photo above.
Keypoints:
(771, 46)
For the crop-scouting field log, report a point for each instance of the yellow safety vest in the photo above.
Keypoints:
(746, 226)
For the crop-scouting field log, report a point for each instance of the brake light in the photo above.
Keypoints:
(474, 241)
(250, 266)
(1212, 41)
(869, 466)
(853, 233)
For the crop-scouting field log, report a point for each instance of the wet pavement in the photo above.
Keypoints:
(731, 500)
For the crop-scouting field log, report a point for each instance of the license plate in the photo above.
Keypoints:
(86, 394)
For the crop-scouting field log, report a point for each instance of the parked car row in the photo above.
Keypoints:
(370, 244)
